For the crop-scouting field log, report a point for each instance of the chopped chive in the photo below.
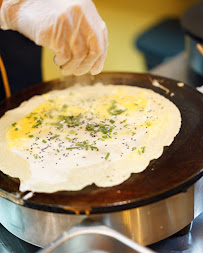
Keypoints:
(90, 127)
(112, 121)
(35, 156)
(133, 148)
(30, 136)
(84, 145)
(107, 156)
(143, 149)
(55, 136)
(113, 109)
(57, 150)
(72, 148)
(71, 120)
(71, 132)
(16, 129)
(14, 124)
(44, 141)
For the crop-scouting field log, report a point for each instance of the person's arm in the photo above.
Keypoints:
(73, 29)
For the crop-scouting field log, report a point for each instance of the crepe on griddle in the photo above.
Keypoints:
(83, 135)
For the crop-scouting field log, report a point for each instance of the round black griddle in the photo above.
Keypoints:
(180, 166)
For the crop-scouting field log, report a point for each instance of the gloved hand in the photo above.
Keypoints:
(73, 29)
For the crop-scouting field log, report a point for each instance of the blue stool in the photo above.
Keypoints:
(161, 42)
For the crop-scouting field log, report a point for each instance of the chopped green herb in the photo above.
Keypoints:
(133, 148)
(30, 115)
(57, 150)
(44, 141)
(30, 136)
(72, 148)
(54, 137)
(14, 124)
(35, 156)
(84, 145)
(107, 156)
(115, 133)
(38, 122)
(103, 128)
(113, 109)
(58, 124)
(16, 129)
(90, 127)
(112, 121)
(106, 136)
(143, 149)
(71, 120)
(71, 132)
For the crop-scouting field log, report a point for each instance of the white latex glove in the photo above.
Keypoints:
(73, 29)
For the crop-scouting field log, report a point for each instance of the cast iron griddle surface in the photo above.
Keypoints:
(179, 167)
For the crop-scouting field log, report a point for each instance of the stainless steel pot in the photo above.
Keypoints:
(145, 225)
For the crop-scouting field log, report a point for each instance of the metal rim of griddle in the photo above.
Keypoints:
(180, 166)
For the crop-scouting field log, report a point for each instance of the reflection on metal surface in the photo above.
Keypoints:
(146, 225)
(89, 227)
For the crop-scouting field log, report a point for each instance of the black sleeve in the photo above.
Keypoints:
(22, 59)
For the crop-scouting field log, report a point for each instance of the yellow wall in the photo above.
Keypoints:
(125, 19)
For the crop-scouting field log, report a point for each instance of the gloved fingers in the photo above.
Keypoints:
(79, 52)
(86, 65)
(96, 56)
(60, 60)
(62, 36)
(98, 65)
(70, 66)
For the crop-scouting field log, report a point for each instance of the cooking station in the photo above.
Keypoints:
(187, 240)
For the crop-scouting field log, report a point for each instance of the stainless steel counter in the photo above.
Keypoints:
(192, 242)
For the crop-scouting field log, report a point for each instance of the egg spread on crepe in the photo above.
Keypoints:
(68, 139)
